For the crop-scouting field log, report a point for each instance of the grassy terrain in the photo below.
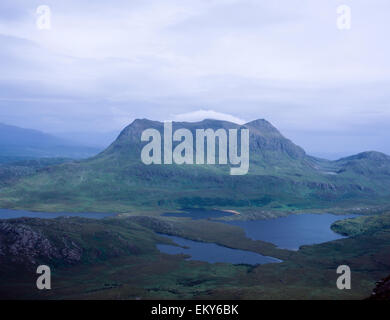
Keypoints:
(281, 178)
(120, 261)
(362, 225)
(117, 257)
(13, 171)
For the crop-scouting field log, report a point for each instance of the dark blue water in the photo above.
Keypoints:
(212, 253)
(289, 232)
(11, 214)
(293, 231)
(198, 214)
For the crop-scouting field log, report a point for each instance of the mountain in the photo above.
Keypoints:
(281, 177)
(90, 139)
(265, 139)
(19, 143)
(367, 164)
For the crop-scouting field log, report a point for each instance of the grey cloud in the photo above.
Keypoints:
(106, 63)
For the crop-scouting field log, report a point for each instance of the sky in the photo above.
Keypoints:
(103, 64)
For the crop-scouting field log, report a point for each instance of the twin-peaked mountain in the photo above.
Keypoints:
(264, 138)
(281, 176)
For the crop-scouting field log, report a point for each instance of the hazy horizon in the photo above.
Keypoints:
(102, 65)
(104, 139)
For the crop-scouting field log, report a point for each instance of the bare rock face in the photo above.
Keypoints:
(20, 243)
(71, 252)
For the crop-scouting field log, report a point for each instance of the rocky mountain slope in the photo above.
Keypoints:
(28, 242)
(281, 176)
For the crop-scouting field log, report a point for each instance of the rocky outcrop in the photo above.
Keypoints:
(22, 244)
(382, 290)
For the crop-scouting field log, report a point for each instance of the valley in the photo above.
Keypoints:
(169, 224)
(118, 258)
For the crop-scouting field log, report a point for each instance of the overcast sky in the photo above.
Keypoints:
(104, 63)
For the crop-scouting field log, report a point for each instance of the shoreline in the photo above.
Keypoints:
(230, 211)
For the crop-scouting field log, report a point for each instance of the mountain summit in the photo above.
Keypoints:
(281, 176)
(264, 137)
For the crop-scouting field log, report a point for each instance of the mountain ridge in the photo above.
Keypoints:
(281, 177)
(18, 143)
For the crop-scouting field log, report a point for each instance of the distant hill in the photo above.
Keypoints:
(281, 177)
(19, 143)
(97, 139)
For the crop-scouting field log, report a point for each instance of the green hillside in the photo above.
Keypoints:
(281, 177)
(117, 258)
